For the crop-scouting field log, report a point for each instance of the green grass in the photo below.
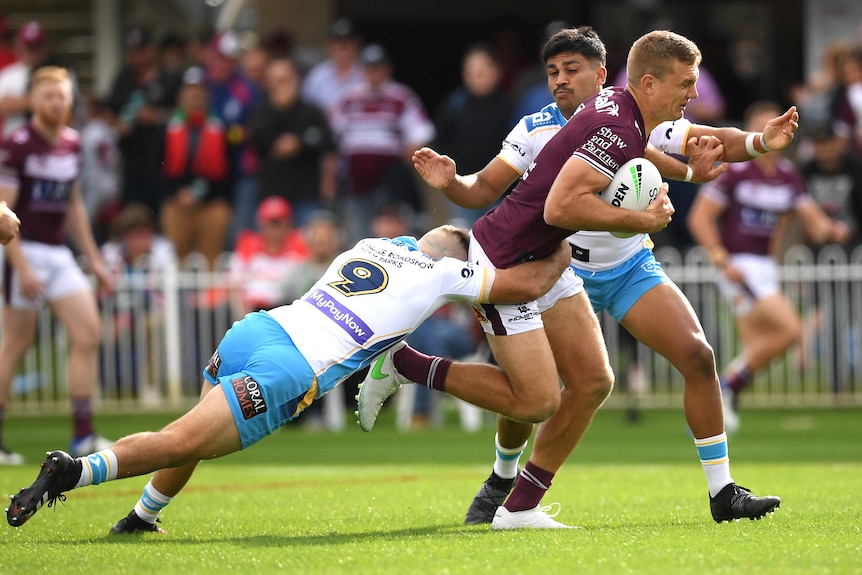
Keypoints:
(393, 503)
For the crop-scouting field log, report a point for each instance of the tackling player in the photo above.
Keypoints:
(272, 364)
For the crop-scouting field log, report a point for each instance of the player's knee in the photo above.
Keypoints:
(539, 409)
(87, 337)
(177, 450)
(700, 358)
(594, 388)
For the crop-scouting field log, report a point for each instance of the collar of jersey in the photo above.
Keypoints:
(408, 242)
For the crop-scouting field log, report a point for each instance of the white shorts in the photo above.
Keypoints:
(512, 319)
(761, 281)
(56, 268)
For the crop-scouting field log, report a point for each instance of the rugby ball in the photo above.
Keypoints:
(634, 186)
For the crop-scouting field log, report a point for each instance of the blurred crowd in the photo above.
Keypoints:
(226, 143)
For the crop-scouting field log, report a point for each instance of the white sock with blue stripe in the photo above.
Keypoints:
(151, 503)
(97, 468)
(716, 463)
(506, 463)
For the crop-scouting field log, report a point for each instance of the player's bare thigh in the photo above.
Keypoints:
(664, 320)
(528, 362)
(577, 342)
(208, 429)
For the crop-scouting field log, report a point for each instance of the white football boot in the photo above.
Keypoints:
(535, 518)
(381, 382)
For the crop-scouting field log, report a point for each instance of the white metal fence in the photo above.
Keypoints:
(161, 326)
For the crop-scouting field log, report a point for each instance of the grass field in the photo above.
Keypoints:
(386, 502)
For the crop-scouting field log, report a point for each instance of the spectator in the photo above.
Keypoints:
(263, 259)
(833, 178)
(277, 43)
(100, 168)
(142, 99)
(133, 254)
(253, 65)
(474, 119)
(819, 97)
(232, 97)
(848, 122)
(379, 124)
(294, 143)
(172, 52)
(196, 211)
(31, 50)
(327, 81)
(135, 242)
(739, 219)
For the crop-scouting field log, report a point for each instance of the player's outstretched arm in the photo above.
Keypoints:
(474, 191)
(530, 280)
(741, 146)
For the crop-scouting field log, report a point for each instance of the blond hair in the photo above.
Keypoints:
(656, 52)
(50, 74)
(446, 241)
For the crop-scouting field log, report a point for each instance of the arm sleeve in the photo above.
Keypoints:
(465, 281)
(516, 151)
(671, 137)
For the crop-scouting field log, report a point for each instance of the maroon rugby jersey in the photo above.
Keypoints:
(44, 174)
(754, 202)
(606, 131)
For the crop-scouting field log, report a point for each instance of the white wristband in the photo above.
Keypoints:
(749, 145)
(688, 173)
(763, 143)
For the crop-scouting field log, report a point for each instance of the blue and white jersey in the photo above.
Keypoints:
(529, 136)
(600, 250)
(371, 297)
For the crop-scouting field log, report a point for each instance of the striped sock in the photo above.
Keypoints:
(506, 463)
(716, 464)
(97, 468)
(151, 503)
(529, 489)
(427, 370)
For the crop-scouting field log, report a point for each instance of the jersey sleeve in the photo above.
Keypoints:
(466, 281)
(671, 137)
(515, 151)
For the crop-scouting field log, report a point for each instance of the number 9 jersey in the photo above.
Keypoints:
(371, 297)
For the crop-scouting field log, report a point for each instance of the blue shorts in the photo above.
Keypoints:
(618, 289)
(265, 379)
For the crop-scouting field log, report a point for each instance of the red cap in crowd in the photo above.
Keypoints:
(274, 208)
(31, 34)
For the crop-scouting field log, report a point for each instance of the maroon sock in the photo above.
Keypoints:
(82, 417)
(531, 486)
(427, 370)
(739, 380)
